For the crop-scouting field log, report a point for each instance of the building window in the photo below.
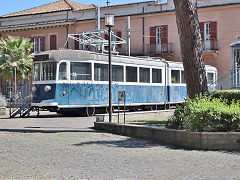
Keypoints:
(115, 37)
(209, 35)
(53, 42)
(38, 44)
(159, 39)
(78, 45)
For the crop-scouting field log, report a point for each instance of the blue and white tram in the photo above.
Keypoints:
(76, 80)
(176, 82)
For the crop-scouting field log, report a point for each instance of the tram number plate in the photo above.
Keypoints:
(121, 95)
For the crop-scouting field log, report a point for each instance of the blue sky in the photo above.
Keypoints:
(10, 6)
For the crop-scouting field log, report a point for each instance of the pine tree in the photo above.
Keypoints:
(191, 47)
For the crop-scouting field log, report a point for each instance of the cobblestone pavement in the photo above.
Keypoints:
(62, 150)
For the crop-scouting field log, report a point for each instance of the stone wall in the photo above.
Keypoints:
(229, 141)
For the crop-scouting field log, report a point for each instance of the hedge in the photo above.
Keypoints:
(207, 114)
(229, 95)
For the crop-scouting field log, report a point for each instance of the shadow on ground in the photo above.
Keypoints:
(44, 131)
(125, 143)
(45, 116)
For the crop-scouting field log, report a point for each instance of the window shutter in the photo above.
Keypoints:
(213, 30)
(152, 35)
(201, 24)
(106, 36)
(164, 34)
(53, 42)
(119, 34)
(87, 48)
(42, 44)
(32, 41)
(76, 43)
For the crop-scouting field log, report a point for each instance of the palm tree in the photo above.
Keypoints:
(15, 53)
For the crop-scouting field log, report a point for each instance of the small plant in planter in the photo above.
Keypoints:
(3, 105)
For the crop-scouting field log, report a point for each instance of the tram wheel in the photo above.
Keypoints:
(107, 110)
(153, 107)
(90, 111)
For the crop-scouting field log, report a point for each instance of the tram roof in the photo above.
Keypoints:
(69, 54)
(236, 44)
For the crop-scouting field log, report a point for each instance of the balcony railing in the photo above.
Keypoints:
(165, 48)
(210, 45)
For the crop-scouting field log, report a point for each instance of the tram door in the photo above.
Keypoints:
(63, 84)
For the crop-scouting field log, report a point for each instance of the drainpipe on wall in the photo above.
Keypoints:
(143, 40)
(97, 18)
(67, 35)
(67, 31)
(97, 23)
(128, 43)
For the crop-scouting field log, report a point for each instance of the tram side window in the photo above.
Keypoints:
(62, 71)
(48, 71)
(131, 74)
(100, 72)
(156, 75)
(36, 72)
(175, 76)
(80, 71)
(144, 75)
(210, 78)
(183, 79)
(117, 73)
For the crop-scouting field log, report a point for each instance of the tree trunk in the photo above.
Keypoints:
(191, 47)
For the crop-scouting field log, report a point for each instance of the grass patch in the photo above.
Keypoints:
(157, 122)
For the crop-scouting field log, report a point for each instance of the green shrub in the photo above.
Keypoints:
(229, 95)
(3, 102)
(207, 114)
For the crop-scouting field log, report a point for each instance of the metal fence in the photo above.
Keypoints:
(210, 45)
(164, 48)
(229, 80)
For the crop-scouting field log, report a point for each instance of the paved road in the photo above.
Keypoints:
(65, 148)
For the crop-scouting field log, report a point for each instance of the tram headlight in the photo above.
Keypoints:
(34, 88)
(47, 88)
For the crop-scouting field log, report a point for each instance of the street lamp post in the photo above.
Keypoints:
(109, 22)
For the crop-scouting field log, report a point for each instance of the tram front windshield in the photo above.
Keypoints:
(44, 71)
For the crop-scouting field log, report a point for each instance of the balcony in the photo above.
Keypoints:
(158, 49)
(210, 45)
